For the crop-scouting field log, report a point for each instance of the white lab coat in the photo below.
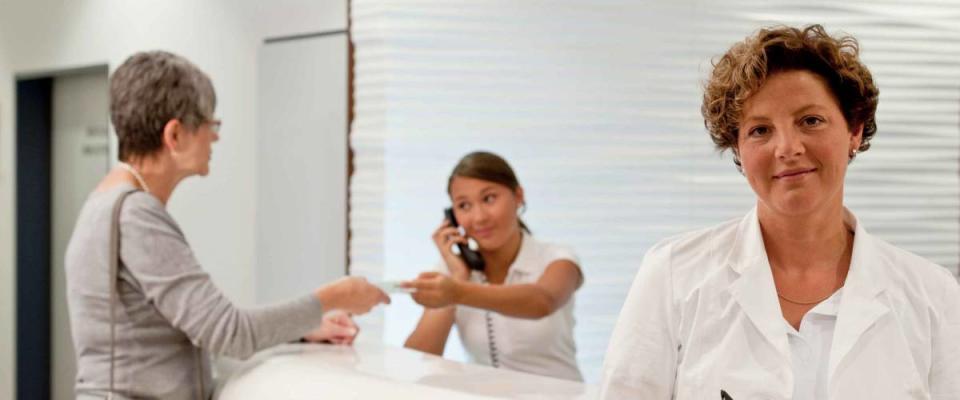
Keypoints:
(703, 316)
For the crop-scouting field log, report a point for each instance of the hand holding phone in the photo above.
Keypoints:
(468, 256)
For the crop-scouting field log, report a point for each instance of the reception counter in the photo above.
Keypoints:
(373, 371)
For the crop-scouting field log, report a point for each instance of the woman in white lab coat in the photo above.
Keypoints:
(795, 300)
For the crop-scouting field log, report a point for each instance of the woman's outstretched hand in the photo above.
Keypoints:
(351, 294)
(434, 290)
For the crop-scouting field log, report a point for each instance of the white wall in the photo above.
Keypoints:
(222, 37)
(301, 228)
(7, 294)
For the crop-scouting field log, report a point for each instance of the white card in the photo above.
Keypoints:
(393, 287)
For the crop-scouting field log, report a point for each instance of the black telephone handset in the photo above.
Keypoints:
(472, 257)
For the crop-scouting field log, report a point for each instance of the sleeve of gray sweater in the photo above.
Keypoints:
(161, 264)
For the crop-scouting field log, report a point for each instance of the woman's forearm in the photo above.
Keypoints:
(432, 331)
(520, 301)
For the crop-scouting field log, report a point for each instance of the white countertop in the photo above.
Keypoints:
(373, 371)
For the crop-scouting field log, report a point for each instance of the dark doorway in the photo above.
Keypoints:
(34, 121)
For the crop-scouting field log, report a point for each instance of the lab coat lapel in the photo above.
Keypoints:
(860, 304)
(754, 289)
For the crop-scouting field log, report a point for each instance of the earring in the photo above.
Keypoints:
(736, 161)
(853, 154)
(522, 209)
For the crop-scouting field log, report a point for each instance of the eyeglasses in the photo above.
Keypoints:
(215, 125)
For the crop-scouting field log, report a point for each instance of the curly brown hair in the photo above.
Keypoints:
(148, 90)
(745, 67)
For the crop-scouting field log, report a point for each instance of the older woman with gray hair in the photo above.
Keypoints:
(145, 316)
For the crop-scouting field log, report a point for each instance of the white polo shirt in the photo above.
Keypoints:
(540, 346)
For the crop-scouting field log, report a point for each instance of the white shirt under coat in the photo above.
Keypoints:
(541, 346)
(810, 348)
(703, 316)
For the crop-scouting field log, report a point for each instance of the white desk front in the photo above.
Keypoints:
(373, 371)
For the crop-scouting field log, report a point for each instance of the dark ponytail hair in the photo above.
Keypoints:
(489, 167)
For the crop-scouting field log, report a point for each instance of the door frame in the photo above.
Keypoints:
(33, 230)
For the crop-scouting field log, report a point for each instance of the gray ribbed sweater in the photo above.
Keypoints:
(168, 306)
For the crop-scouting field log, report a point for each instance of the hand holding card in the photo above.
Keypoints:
(393, 286)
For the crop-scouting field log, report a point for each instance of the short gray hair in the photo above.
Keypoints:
(151, 88)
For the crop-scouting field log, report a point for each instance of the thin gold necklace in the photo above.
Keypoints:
(837, 285)
(805, 303)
